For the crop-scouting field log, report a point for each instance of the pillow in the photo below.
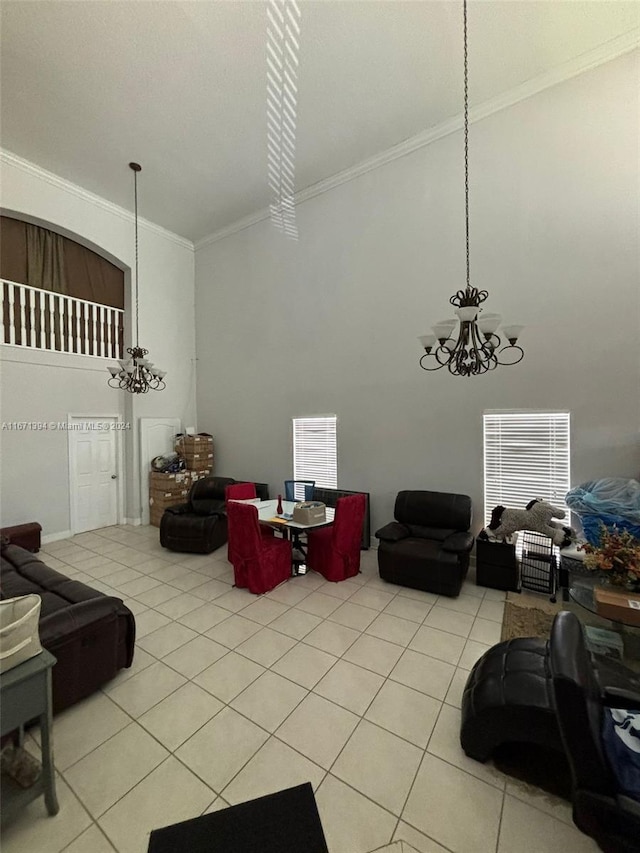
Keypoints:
(621, 736)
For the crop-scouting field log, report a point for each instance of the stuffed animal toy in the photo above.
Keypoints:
(537, 516)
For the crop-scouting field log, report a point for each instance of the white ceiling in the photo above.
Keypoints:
(180, 86)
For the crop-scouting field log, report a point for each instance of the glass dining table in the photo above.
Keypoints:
(611, 638)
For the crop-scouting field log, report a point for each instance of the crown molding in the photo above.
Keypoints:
(606, 52)
(11, 159)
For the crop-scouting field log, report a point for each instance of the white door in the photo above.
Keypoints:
(156, 439)
(93, 473)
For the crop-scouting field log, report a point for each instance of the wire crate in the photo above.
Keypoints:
(538, 563)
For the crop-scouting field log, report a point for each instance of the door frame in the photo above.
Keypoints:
(116, 417)
(144, 466)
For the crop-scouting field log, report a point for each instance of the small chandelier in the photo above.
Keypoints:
(137, 375)
(475, 348)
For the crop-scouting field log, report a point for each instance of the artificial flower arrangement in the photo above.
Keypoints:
(617, 555)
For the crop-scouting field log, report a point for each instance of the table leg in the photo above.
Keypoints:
(48, 772)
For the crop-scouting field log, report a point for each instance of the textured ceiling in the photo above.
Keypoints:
(181, 87)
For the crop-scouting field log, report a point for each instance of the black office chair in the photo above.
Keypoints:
(604, 806)
(292, 493)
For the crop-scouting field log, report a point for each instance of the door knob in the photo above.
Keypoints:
(113, 476)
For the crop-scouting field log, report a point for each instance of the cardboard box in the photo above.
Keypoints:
(618, 605)
(199, 443)
(310, 512)
(166, 482)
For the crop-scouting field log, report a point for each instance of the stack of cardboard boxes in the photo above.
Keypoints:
(167, 490)
(196, 450)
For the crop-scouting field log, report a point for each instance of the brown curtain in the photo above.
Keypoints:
(41, 258)
(45, 259)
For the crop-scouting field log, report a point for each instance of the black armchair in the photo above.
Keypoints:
(200, 525)
(427, 546)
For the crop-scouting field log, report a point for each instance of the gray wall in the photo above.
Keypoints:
(329, 324)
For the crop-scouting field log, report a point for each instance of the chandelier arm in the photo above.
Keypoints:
(511, 347)
(428, 355)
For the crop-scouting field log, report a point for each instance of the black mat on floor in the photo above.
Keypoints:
(285, 822)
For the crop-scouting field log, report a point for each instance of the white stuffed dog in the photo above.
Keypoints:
(537, 516)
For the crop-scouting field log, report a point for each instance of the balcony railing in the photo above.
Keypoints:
(41, 319)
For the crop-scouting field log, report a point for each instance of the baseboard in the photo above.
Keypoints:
(54, 537)
(134, 522)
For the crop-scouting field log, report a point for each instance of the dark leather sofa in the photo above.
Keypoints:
(199, 526)
(91, 635)
(427, 546)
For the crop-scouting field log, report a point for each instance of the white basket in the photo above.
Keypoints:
(19, 637)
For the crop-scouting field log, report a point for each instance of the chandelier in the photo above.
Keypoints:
(137, 374)
(474, 348)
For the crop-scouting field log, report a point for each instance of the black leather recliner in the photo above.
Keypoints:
(602, 808)
(200, 525)
(427, 546)
(549, 693)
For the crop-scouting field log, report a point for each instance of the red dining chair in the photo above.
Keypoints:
(334, 551)
(259, 563)
(243, 492)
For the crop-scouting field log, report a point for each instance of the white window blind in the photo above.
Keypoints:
(526, 456)
(315, 450)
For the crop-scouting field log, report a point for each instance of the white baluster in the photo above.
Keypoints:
(110, 314)
(12, 314)
(116, 330)
(102, 314)
(32, 318)
(69, 311)
(23, 324)
(85, 325)
(43, 336)
(94, 331)
(2, 329)
(52, 321)
(77, 313)
(61, 318)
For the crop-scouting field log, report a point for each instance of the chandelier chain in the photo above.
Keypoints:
(466, 139)
(135, 200)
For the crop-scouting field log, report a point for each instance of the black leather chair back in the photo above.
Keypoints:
(433, 510)
(578, 705)
(207, 495)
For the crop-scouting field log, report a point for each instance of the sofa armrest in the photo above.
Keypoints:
(458, 543)
(392, 532)
(73, 619)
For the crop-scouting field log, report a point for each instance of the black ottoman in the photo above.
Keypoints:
(508, 698)
(284, 822)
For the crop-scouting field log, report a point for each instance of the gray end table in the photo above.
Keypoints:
(25, 694)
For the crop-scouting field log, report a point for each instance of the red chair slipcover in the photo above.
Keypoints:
(334, 551)
(259, 563)
(242, 492)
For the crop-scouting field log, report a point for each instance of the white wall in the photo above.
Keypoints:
(329, 324)
(34, 478)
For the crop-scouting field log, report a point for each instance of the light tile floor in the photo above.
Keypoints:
(355, 687)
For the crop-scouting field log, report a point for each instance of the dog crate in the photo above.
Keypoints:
(539, 564)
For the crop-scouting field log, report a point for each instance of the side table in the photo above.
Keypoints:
(25, 693)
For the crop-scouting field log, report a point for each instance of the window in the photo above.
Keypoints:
(315, 450)
(526, 456)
